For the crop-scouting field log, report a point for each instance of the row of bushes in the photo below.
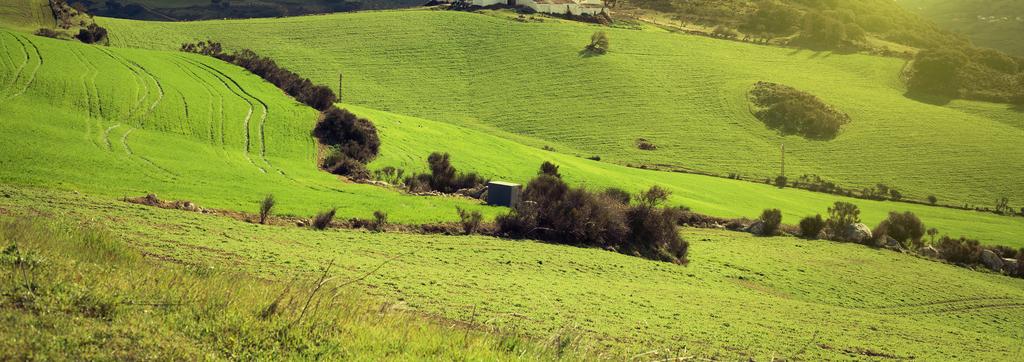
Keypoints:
(897, 231)
(351, 141)
(552, 211)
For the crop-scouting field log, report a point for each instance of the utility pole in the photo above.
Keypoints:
(783, 160)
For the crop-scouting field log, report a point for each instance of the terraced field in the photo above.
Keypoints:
(123, 122)
(741, 297)
(528, 82)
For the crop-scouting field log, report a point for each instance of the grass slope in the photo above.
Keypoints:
(124, 122)
(407, 141)
(741, 297)
(687, 94)
(189, 127)
(73, 291)
(27, 15)
(990, 23)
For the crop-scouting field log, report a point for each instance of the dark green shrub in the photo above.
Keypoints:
(550, 169)
(961, 251)
(841, 215)
(266, 206)
(770, 219)
(598, 43)
(443, 177)
(380, 220)
(470, 220)
(323, 219)
(619, 195)
(792, 112)
(811, 226)
(905, 228)
(780, 181)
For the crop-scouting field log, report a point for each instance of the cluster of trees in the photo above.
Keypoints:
(443, 177)
(552, 211)
(967, 72)
(351, 141)
(791, 111)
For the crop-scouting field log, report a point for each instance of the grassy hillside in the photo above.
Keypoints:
(990, 23)
(195, 128)
(73, 291)
(407, 141)
(124, 122)
(741, 297)
(28, 15)
(529, 83)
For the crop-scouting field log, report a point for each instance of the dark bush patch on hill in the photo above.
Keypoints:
(966, 72)
(791, 111)
(552, 211)
(443, 177)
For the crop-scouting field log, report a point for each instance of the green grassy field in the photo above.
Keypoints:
(529, 83)
(741, 296)
(194, 128)
(27, 15)
(123, 122)
(72, 290)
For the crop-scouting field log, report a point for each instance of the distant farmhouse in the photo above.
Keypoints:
(570, 7)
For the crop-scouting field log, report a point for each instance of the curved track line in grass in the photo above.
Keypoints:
(106, 137)
(263, 118)
(221, 77)
(144, 159)
(18, 73)
(159, 89)
(83, 78)
(141, 88)
(7, 60)
(35, 71)
(215, 121)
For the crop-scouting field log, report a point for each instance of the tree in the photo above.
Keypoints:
(811, 226)
(1003, 205)
(266, 206)
(598, 43)
(937, 71)
(780, 181)
(841, 215)
(932, 199)
(770, 219)
(895, 195)
(819, 29)
(932, 232)
(550, 169)
(905, 227)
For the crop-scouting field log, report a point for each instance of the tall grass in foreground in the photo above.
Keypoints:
(73, 291)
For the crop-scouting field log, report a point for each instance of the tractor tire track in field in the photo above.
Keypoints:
(142, 89)
(21, 77)
(106, 137)
(131, 154)
(7, 59)
(16, 74)
(215, 120)
(95, 105)
(224, 79)
(951, 306)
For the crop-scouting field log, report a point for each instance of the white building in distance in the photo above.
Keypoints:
(571, 7)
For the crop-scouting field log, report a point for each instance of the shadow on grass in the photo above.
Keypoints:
(1017, 107)
(929, 98)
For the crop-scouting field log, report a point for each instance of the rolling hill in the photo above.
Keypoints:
(529, 83)
(195, 128)
(991, 23)
(125, 122)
